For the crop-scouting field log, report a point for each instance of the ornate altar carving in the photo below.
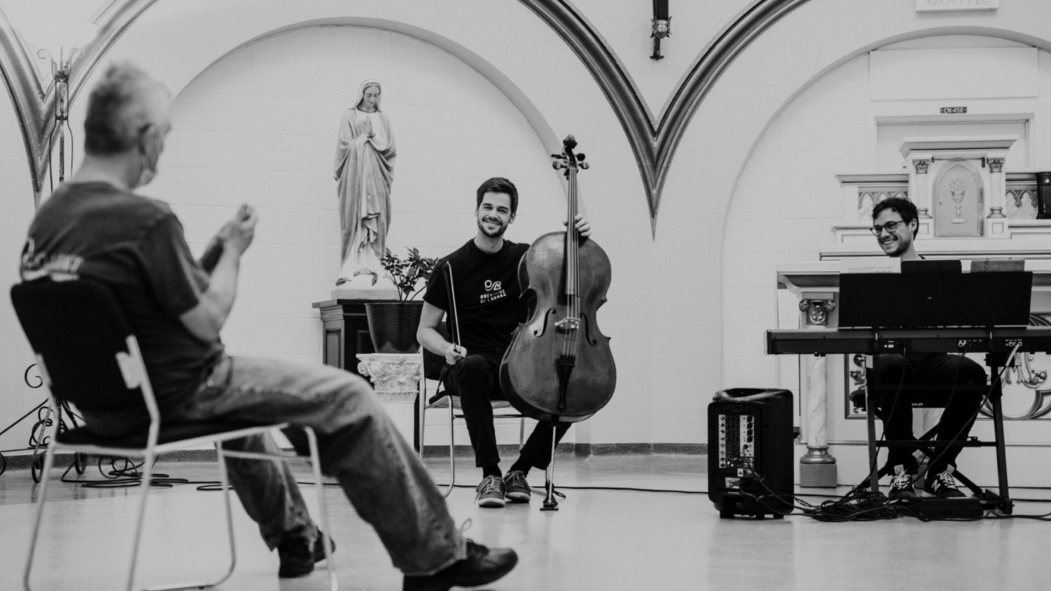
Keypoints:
(396, 378)
(958, 198)
(817, 310)
(994, 203)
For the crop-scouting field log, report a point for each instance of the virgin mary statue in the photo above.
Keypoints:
(364, 170)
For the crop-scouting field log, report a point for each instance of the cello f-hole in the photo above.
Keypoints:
(544, 330)
(587, 330)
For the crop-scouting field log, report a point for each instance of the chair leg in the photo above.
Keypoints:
(452, 452)
(49, 460)
(224, 482)
(315, 462)
(423, 420)
(147, 476)
(421, 404)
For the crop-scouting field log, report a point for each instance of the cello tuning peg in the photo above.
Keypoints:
(584, 166)
(556, 156)
(557, 164)
(580, 157)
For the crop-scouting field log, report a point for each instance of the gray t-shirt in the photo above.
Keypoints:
(136, 247)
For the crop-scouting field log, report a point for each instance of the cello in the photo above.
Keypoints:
(559, 367)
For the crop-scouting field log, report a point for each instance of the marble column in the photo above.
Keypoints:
(396, 378)
(920, 194)
(998, 188)
(817, 468)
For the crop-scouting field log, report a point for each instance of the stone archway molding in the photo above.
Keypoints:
(33, 95)
(654, 142)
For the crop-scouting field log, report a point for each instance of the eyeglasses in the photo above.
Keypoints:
(890, 227)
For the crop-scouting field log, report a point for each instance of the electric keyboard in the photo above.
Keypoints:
(824, 341)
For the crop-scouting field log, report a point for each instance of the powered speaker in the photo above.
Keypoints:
(750, 468)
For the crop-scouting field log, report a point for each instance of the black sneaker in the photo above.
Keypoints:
(481, 566)
(297, 559)
(517, 488)
(490, 492)
(901, 484)
(943, 485)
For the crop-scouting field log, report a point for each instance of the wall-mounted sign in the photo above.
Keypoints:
(953, 110)
(945, 5)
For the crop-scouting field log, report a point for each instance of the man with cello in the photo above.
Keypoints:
(488, 309)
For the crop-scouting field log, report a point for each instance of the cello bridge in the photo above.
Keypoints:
(568, 323)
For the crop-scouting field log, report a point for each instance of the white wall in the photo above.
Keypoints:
(668, 309)
(259, 127)
(784, 206)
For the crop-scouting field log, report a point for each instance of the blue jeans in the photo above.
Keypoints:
(378, 471)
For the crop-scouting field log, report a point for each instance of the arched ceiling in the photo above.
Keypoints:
(36, 106)
(653, 140)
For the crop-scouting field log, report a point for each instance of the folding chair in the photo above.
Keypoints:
(434, 368)
(93, 361)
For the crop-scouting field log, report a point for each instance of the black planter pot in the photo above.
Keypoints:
(392, 326)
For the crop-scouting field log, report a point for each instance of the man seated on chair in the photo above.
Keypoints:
(894, 222)
(95, 227)
(489, 309)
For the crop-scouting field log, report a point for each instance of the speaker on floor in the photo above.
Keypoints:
(750, 469)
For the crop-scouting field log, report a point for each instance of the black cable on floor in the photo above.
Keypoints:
(123, 473)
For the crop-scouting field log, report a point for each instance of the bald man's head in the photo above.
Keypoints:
(124, 104)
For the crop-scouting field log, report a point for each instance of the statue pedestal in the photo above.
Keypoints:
(345, 332)
(362, 288)
(396, 378)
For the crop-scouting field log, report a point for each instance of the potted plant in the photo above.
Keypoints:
(392, 325)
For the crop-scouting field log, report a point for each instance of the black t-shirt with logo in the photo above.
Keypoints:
(136, 247)
(487, 295)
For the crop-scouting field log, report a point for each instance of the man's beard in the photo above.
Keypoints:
(899, 248)
(498, 232)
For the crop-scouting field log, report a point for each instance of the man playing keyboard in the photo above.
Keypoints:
(894, 222)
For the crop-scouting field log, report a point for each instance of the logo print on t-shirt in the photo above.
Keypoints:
(494, 290)
(57, 266)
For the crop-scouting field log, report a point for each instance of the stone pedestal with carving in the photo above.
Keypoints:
(396, 378)
(817, 468)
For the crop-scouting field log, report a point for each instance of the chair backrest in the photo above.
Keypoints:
(79, 330)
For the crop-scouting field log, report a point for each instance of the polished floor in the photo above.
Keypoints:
(599, 539)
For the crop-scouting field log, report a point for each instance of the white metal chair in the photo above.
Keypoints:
(433, 367)
(93, 361)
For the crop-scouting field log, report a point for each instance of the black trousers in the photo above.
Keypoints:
(476, 379)
(896, 411)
